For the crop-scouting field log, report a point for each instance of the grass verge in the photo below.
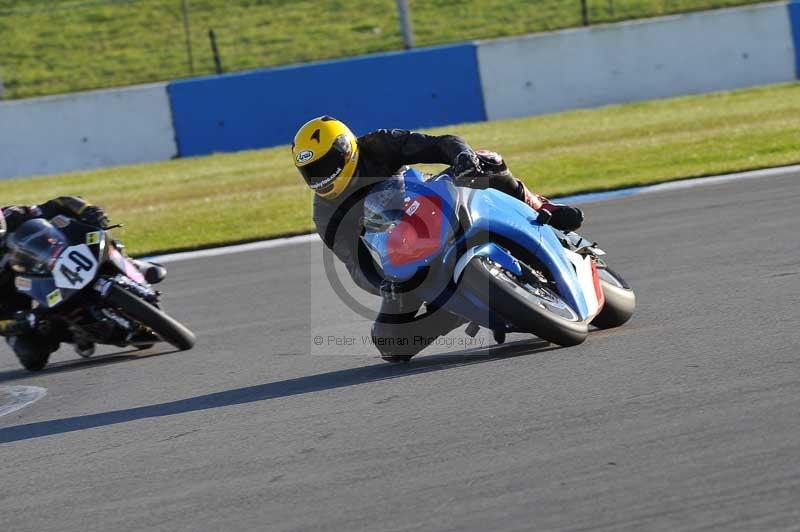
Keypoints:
(54, 46)
(205, 201)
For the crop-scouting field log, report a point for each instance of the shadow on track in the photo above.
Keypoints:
(81, 363)
(273, 390)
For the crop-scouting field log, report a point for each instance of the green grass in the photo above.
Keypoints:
(54, 46)
(225, 198)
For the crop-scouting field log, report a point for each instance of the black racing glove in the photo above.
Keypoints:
(94, 215)
(36, 324)
(563, 217)
(466, 165)
(24, 323)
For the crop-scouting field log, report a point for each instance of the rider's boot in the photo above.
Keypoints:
(153, 272)
(85, 349)
(499, 337)
(398, 345)
(563, 217)
(142, 339)
(399, 334)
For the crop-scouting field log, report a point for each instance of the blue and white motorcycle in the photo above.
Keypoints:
(487, 257)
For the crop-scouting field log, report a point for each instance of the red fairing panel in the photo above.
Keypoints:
(419, 233)
(601, 298)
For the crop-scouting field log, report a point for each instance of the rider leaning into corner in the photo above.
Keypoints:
(27, 333)
(341, 169)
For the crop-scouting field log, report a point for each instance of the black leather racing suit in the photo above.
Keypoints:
(384, 153)
(11, 301)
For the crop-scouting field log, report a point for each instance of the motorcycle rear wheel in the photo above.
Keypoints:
(163, 325)
(620, 300)
(536, 309)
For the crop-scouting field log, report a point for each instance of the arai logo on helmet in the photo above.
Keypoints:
(304, 156)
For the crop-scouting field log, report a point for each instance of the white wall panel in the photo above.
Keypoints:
(85, 130)
(656, 58)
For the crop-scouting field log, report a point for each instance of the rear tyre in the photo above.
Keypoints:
(163, 325)
(535, 308)
(620, 300)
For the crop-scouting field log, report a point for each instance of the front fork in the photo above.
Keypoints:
(144, 291)
(132, 333)
(125, 265)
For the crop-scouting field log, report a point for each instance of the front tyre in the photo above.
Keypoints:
(535, 308)
(143, 312)
(620, 300)
(32, 352)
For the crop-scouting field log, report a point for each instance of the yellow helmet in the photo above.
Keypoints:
(326, 153)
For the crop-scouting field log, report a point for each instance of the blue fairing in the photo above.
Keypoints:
(416, 186)
(490, 211)
(518, 223)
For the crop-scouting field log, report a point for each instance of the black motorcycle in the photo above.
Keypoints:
(86, 289)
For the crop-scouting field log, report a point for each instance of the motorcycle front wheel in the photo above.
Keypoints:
(159, 322)
(535, 307)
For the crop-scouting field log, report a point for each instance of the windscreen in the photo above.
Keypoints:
(383, 207)
(34, 245)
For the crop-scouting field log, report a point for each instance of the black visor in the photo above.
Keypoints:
(324, 171)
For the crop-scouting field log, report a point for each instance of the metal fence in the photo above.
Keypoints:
(54, 46)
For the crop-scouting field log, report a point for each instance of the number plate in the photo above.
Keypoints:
(75, 268)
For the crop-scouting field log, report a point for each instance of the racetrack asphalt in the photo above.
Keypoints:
(687, 418)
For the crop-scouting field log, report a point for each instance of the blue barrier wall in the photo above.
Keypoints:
(412, 89)
(794, 19)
